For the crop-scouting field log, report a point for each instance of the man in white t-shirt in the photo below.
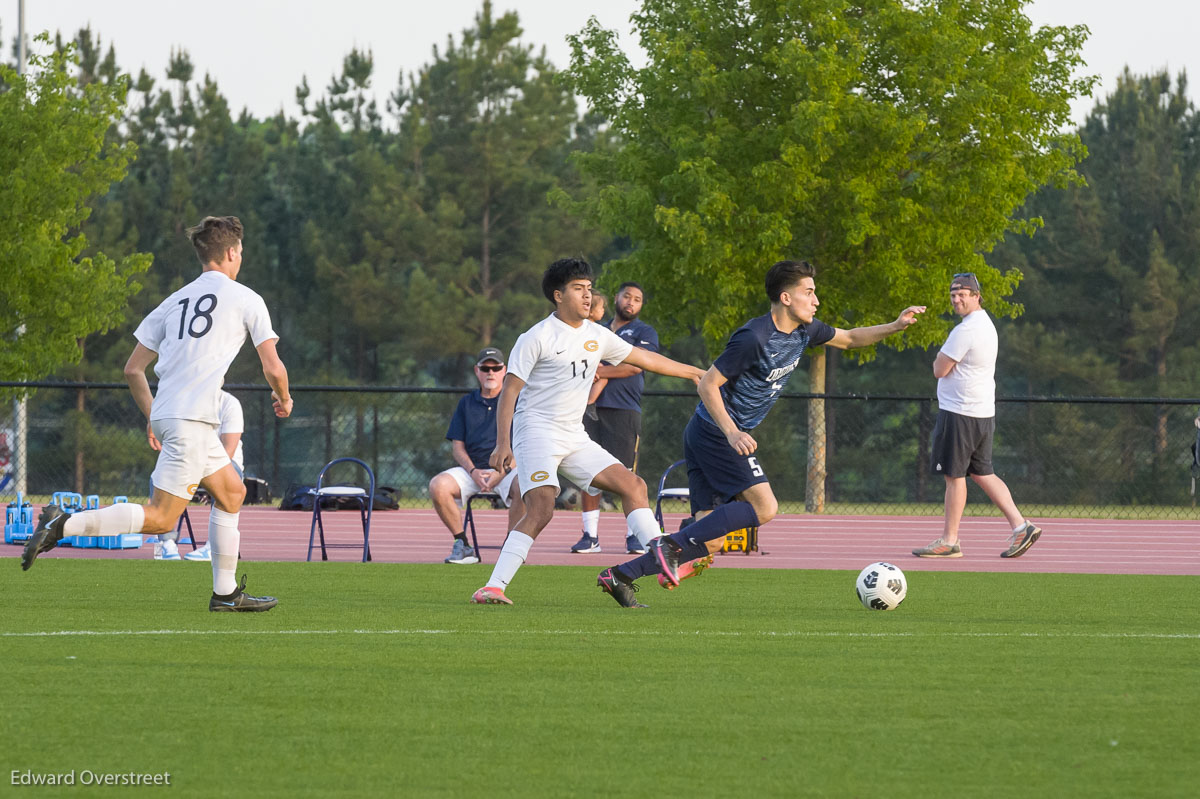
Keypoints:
(194, 335)
(550, 371)
(966, 423)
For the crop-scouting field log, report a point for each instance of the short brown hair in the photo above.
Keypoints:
(213, 236)
(785, 274)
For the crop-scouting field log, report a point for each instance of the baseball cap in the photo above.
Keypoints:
(490, 354)
(965, 280)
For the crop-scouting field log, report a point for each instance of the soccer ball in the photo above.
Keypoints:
(881, 586)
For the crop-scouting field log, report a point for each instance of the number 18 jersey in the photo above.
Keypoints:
(558, 364)
(197, 332)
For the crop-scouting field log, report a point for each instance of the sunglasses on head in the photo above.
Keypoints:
(495, 368)
(964, 274)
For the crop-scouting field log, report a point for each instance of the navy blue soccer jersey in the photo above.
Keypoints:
(626, 392)
(757, 362)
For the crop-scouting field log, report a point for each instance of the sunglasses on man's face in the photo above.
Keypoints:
(496, 368)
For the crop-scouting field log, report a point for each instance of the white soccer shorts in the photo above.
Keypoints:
(191, 451)
(579, 459)
(468, 487)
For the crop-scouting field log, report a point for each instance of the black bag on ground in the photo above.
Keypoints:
(300, 497)
(258, 492)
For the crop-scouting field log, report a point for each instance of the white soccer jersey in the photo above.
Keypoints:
(970, 388)
(197, 333)
(232, 421)
(558, 364)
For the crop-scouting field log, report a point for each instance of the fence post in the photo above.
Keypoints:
(814, 491)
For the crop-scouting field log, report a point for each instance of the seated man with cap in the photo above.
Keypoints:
(472, 436)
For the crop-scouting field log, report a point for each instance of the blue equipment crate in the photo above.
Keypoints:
(18, 521)
(126, 541)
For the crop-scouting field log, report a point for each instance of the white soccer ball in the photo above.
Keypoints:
(881, 586)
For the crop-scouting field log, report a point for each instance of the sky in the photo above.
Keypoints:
(258, 50)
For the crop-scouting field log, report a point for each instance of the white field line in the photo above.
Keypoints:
(645, 633)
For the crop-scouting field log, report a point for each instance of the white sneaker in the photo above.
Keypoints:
(203, 553)
(169, 551)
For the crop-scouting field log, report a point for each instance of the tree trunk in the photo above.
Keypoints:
(814, 495)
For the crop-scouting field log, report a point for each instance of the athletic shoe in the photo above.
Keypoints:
(939, 549)
(611, 582)
(462, 553)
(241, 602)
(587, 544)
(1022, 540)
(689, 569)
(203, 553)
(666, 552)
(46, 536)
(170, 551)
(490, 596)
(633, 546)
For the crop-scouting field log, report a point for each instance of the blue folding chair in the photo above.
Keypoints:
(469, 518)
(364, 497)
(680, 494)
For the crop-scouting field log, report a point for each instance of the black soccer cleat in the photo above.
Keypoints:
(666, 553)
(47, 535)
(241, 602)
(611, 582)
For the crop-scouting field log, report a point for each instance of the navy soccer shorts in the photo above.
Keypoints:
(716, 473)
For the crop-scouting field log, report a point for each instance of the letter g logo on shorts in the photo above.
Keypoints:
(192, 488)
(539, 477)
(592, 346)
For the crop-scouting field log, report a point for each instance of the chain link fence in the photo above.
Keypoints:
(1087, 457)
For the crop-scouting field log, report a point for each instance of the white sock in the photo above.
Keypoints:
(591, 523)
(1021, 526)
(124, 517)
(516, 547)
(641, 522)
(224, 537)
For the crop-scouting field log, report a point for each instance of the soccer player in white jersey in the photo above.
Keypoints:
(195, 335)
(550, 371)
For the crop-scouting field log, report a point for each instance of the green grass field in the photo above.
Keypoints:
(383, 680)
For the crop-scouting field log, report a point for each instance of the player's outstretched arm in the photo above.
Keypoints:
(277, 377)
(502, 455)
(865, 336)
(661, 364)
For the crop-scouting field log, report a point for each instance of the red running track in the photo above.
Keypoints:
(791, 541)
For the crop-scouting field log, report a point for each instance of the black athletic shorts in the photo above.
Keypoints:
(617, 430)
(962, 445)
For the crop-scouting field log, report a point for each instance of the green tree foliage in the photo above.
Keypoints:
(1125, 250)
(889, 141)
(55, 157)
(485, 133)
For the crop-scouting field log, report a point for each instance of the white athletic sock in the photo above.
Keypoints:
(124, 517)
(1021, 526)
(641, 522)
(224, 537)
(591, 523)
(516, 547)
